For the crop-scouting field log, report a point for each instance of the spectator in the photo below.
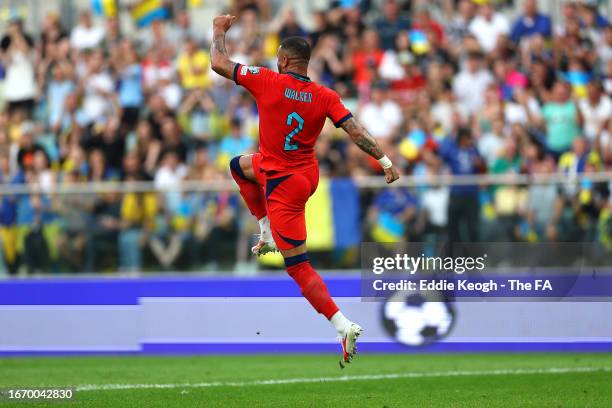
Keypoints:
(488, 25)
(327, 60)
(561, 120)
(423, 21)
(110, 142)
(97, 88)
(146, 147)
(463, 158)
(604, 47)
(470, 83)
(507, 200)
(59, 88)
(8, 217)
(434, 202)
(52, 32)
(246, 32)
(391, 213)
(86, 35)
(541, 213)
(75, 210)
(531, 22)
(137, 219)
(608, 78)
(19, 82)
(407, 89)
(171, 172)
(202, 168)
(167, 240)
(458, 27)
(290, 27)
(392, 65)
(155, 65)
(172, 138)
(491, 142)
(522, 109)
(508, 160)
(492, 108)
(446, 112)
(197, 112)
(169, 90)
(366, 60)
(98, 171)
(131, 93)
(112, 36)
(391, 24)
(234, 144)
(161, 37)
(381, 116)
(596, 111)
(192, 66)
(578, 158)
(185, 29)
(43, 176)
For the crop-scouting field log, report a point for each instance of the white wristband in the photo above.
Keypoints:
(385, 162)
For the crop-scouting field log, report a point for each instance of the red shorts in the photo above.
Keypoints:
(286, 197)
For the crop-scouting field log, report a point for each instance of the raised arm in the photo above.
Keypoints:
(220, 62)
(366, 142)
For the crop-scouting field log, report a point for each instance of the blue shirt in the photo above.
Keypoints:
(233, 146)
(526, 26)
(601, 21)
(461, 161)
(130, 88)
(388, 30)
(8, 204)
(57, 93)
(28, 215)
(394, 201)
(391, 203)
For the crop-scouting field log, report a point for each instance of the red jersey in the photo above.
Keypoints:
(292, 112)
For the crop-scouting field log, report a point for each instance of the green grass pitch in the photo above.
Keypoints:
(373, 380)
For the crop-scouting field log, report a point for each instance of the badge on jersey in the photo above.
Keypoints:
(252, 70)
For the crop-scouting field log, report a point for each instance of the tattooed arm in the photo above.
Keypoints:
(220, 62)
(362, 138)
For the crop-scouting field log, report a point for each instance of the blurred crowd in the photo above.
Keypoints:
(463, 87)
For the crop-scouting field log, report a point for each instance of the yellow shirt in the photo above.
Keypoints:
(139, 209)
(187, 64)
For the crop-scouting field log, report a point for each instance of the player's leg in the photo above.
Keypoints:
(251, 191)
(287, 197)
(246, 173)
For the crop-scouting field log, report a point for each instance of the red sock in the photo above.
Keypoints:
(251, 192)
(312, 286)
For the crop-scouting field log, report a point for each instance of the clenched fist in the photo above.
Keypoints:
(391, 174)
(223, 22)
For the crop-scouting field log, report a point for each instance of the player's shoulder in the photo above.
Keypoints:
(327, 93)
(245, 70)
(252, 73)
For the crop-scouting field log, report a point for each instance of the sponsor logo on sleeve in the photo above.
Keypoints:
(245, 69)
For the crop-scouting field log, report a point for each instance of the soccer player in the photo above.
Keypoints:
(277, 181)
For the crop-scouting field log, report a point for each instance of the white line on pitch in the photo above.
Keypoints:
(519, 371)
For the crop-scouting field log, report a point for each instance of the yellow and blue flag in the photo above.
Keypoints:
(333, 219)
(147, 11)
(104, 8)
(418, 42)
(579, 81)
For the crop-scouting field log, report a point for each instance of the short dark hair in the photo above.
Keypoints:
(296, 48)
(463, 133)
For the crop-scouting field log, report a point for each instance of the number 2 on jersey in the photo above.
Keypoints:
(300, 125)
